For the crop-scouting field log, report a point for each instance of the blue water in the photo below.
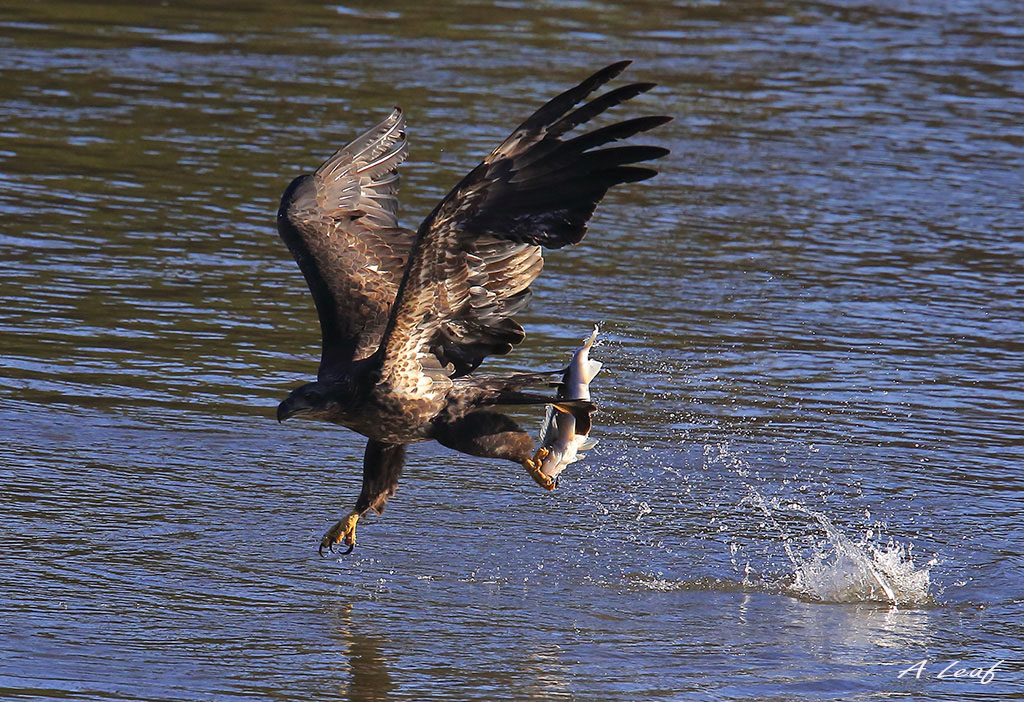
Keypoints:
(809, 471)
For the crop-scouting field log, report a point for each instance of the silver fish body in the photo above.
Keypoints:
(565, 431)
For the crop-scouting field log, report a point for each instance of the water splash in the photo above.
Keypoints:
(829, 566)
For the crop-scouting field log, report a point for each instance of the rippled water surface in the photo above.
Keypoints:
(810, 470)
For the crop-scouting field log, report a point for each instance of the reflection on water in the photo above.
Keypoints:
(368, 679)
(817, 302)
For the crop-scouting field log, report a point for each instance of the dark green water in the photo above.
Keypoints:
(814, 355)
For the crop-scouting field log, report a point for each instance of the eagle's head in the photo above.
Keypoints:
(317, 400)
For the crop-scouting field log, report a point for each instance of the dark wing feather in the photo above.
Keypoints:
(341, 225)
(477, 253)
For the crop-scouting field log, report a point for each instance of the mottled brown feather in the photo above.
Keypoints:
(477, 253)
(341, 225)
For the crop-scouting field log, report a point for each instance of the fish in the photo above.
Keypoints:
(566, 427)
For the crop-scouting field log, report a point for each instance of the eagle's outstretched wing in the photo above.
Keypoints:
(341, 225)
(477, 253)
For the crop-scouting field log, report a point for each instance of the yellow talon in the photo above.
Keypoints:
(342, 532)
(532, 466)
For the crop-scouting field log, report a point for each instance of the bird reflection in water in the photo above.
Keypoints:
(369, 679)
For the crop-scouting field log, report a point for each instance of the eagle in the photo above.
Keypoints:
(407, 316)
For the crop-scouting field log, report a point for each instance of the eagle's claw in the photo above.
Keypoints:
(533, 465)
(342, 532)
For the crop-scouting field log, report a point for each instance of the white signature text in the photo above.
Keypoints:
(954, 671)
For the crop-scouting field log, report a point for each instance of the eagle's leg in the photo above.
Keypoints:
(493, 435)
(382, 465)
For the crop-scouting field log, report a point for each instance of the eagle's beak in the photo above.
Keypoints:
(288, 408)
